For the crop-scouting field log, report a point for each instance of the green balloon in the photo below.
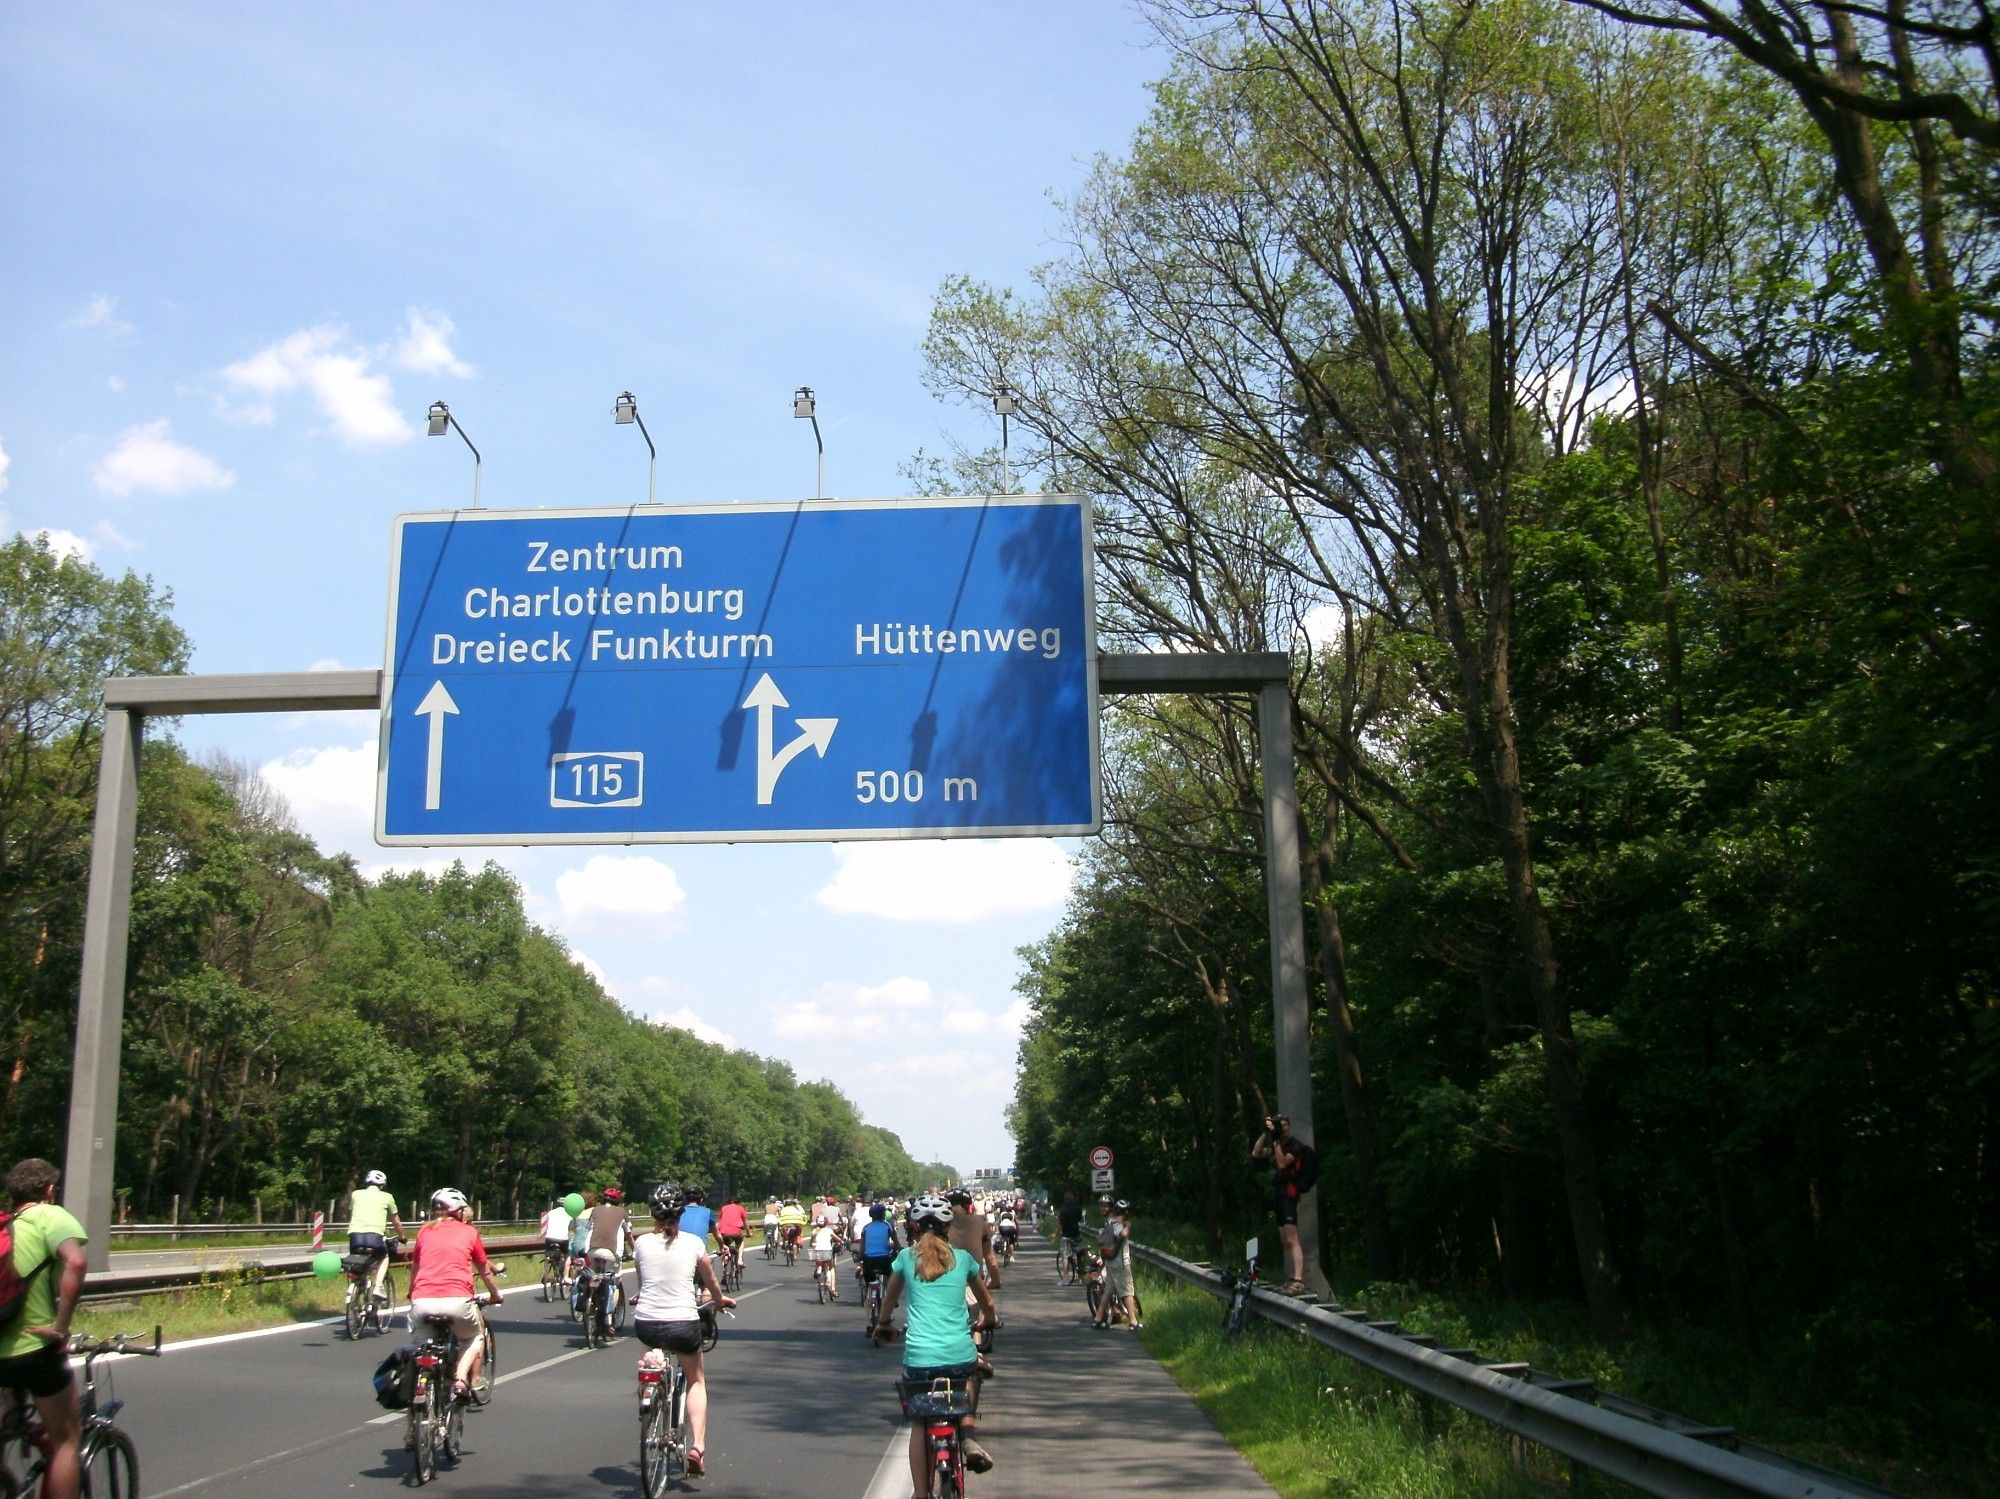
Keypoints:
(573, 1203)
(326, 1264)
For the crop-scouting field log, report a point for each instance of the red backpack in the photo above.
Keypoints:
(13, 1285)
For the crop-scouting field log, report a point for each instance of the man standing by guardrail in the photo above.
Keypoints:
(1296, 1168)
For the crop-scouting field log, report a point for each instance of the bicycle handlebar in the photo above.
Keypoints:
(118, 1342)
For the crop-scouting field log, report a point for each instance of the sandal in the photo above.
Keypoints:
(1292, 1288)
(694, 1462)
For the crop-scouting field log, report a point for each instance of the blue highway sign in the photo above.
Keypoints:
(697, 674)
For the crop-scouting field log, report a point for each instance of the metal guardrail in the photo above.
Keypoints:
(224, 1230)
(284, 1264)
(1653, 1450)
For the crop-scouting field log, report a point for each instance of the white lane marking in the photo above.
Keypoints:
(264, 1462)
(892, 1474)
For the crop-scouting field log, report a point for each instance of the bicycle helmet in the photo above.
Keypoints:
(878, 1212)
(450, 1199)
(696, 1197)
(959, 1197)
(668, 1199)
(375, 1179)
(930, 1210)
(1121, 1206)
(614, 1194)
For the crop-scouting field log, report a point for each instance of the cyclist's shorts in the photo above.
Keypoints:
(734, 1241)
(876, 1266)
(1069, 1246)
(367, 1244)
(43, 1373)
(822, 1256)
(919, 1378)
(1288, 1211)
(555, 1246)
(604, 1261)
(1118, 1277)
(464, 1321)
(670, 1337)
(1010, 1232)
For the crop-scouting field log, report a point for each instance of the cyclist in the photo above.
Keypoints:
(579, 1246)
(826, 1242)
(875, 1247)
(34, 1345)
(370, 1212)
(936, 1277)
(1008, 1227)
(1069, 1228)
(791, 1222)
(555, 1229)
(730, 1225)
(447, 1250)
(1114, 1242)
(696, 1218)
(671, 1262)
(771, 1206)
(971, 1232)
(610, 1241)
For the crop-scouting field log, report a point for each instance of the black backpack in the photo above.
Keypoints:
(396, 1379)
(1305, 1165)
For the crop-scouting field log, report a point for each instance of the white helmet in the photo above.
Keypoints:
(930, 1209)
(450, 1199)
(375, 1179)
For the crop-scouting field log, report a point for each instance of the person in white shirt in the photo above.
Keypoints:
(823, 1241)
(665, 1315)
(555, 1227)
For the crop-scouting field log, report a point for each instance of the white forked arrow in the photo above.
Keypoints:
(437, 702)
(815, 732)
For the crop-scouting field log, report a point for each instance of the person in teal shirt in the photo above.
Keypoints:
(934, 1276)
(34, 1345)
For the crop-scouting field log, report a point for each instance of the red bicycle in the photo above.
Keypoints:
(943, 1406)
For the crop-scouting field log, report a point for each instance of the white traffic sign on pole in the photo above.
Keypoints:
(1101, 1181)
(1100, 1157)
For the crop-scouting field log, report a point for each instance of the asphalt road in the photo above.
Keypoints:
(799, 1404)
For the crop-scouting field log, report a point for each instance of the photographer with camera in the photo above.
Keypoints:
(1295, 1168)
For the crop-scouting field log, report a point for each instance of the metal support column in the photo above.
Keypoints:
(100, 1017)
(1291, 1008)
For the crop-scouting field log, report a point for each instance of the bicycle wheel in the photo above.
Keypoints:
(654, 1471)
(383, 1303)
(110, 1464)
(452, 1441)
(819, 1284)
(1093, 1293)
(356, 1308)
(551, 1279)
(423, 1432)
(617, 1309)
(948, 1475)
(489, 1365)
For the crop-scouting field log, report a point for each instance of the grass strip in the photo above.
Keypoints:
(1317, 1425)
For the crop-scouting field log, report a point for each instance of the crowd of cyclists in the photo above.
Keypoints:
(938, 1259)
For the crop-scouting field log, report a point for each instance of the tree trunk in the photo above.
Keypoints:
(1517, 1235)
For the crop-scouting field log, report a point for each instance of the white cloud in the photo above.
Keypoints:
(331, 790)
(327, 364)
(102, 312)
(685, 1019)
(620, 888)
(148, 459)
(6, 462)
(110, 535)
(426, 345)
(114, 383)
(1323, 625)
(947, 881)
(592, 967)
(69, 544)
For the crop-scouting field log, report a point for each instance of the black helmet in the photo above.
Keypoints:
(668, 1199)
(1121, 1206)
(959, 1197)
(696, 1197)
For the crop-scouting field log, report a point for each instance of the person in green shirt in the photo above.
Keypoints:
(369, 1215)
(34, 1346)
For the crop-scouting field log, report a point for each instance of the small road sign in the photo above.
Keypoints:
(1102, 1181)
(1100, 1157)
(817, 669)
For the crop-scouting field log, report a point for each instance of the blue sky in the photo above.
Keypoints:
(244, 247)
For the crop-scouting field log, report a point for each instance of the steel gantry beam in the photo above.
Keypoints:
(129, 701)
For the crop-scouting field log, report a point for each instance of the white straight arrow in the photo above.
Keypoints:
(437, 702)
(816, 734)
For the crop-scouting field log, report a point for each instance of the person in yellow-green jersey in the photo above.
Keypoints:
(791, 1222)
(34, 1343)
(369, 1215)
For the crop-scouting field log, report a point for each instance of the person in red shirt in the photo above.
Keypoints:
(447, 1251)
(730, 1226)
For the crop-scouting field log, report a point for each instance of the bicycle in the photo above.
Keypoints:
(110, 1462)
(665, 1433)
(1236, 1311)
(871, 1300)
(364, 1305)
(771, 1244)
(435, 1423)
(555, 1273)
(942, 1405)
(732, 1270)
(602, 1297)
(823, 1273)
(791, 1247)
